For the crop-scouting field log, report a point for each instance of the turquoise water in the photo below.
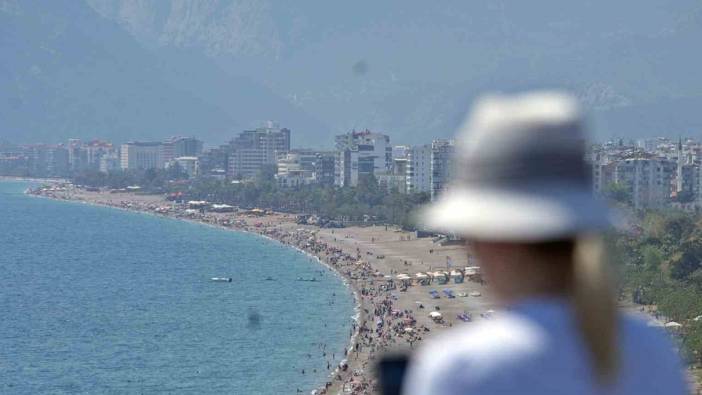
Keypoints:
(98, 300)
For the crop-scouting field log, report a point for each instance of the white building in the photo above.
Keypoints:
(143, 155)
(296, 168)
(395, 180)
(254, 149)
(361, 154)
(418, 176)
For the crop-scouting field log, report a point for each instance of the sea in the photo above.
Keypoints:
(101, 300)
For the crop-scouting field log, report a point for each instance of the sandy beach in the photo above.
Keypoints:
(393, 313)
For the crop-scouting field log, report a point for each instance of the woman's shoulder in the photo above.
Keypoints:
(485, 338)
(476, 354)
(513, 337)
(517, 348)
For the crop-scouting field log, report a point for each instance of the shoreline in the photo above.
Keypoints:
(384, 320)
(358, 306)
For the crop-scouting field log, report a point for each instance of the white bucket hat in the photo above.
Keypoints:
(521, 173)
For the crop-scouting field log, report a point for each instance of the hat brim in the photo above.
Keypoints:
(534, 214)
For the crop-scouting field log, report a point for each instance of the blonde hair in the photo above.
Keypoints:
(594, 302)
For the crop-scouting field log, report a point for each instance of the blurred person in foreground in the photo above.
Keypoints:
(522, 198)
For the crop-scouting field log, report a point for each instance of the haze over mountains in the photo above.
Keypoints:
(124, 69)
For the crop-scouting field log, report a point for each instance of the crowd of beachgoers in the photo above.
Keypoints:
(380, 325)
(387, 320)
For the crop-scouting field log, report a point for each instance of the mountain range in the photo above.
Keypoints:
(128, 69)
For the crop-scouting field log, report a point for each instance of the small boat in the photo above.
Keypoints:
(307, 279)
(222, 279)
(269, 278)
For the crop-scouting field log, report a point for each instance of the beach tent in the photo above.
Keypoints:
(457, 276)
(441, 277)
(198, 204)
(422, 278)
(435, 315)
(409, 330)
(222, 208)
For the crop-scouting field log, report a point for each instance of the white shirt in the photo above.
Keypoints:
(535, 348)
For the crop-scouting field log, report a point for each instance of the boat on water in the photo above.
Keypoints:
(222, 279)
(269, 278)
(307, 279)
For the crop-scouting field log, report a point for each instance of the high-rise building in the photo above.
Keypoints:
(396, 179)
(400, 151)
(324, 167)
(214, 160)
(602, 176)
(86, 156)
(143, 155)
(306, 166)
(186, 146)
(254, 149)
(649, 181)
(361, 154)
(296, 168)
(48, 160)
(442, 166)
(57, 161)
(95, 151)
(77, 155)
(419, 169)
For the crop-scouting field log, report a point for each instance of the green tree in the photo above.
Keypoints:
(617, 192)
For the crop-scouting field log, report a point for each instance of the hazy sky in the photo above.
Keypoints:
(126, 69)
